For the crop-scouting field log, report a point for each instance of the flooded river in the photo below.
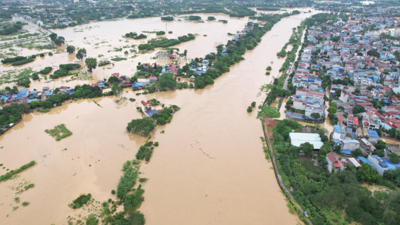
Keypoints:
(210, 167)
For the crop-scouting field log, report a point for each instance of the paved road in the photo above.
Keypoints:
(280, 181)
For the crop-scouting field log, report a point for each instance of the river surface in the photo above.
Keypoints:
(210, 167)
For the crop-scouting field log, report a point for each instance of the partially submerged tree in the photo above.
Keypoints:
(70, 49)
(91, 63)
(81, 53)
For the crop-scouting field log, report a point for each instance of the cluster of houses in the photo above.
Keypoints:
(26, 96)
(363, 69)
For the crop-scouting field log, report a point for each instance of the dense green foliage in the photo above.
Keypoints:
(14, 59)
(70, 49)
(127, 181)
(194, 18)
(167, 18)
(144, 152)
(70, 66)
(134, 200)
(10, 28)
(140, 36)
(331, 198)
(210, 18)
(142, 126)
(92, 220)
(46, 70)
(91, 64)
(22, 62)
(12, 114)
(9, 175)
(80, 201)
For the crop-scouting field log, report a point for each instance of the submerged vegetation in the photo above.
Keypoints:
(80, 201)
(9, 175)
(142, 126)
(59, 132)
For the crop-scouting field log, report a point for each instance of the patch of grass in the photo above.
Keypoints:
(59, 132)
(270, 112)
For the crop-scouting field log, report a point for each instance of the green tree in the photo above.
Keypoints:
(81, 54)
(373, 52)
(59, 41)
(307, 148)
(366, 173)
(381, 144)
(92, 220)
(394, 158)
(167, 81)
(141, 126)
(91, 63)
(338, 148)
(253, 104)
(161, 120)
(34, 104)
(70, 49)
(338, 92)
(249, 109)
(316, 116)
(356, 152)
(358, 109)
(116, 89)
(53, 36)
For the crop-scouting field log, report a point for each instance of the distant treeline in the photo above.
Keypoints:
(268, 8)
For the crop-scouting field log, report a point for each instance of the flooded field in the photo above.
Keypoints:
(210, 167)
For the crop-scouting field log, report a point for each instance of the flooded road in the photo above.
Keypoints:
(210, 167)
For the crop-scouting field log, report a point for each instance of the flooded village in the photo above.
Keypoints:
(141, 118)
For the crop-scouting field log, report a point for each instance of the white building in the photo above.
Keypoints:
(296, 139)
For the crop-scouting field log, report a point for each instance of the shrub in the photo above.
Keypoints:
(41, 55)
(25, 203)
(253, 104)
(113, 192)
(156, 144)
(249, 109)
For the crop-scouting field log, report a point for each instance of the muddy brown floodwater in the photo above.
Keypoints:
(210, 167)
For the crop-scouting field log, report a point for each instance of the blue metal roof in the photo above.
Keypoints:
(337, 129)
(363, 160)
(373, 133)
(345, 151)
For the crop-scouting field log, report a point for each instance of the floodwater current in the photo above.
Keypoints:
(210, 167)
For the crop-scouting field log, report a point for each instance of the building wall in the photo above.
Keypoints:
(299, 105)
(350, 146)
